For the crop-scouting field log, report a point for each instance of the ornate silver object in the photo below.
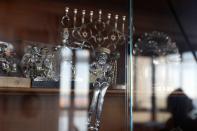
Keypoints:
(38, 63)
(156, 44)
(92, 33)
(8, 61)
(101, 36)
(101, 70)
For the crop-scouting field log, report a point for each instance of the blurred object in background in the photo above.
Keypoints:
(9, 64)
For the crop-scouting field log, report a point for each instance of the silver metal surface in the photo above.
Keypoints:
(102, 70)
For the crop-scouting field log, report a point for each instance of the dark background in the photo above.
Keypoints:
(157, 15)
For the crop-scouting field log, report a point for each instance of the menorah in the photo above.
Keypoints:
(101, 35)
(90, 32)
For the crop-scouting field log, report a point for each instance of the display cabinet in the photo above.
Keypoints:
(64, 65)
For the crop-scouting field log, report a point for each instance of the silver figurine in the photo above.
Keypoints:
(101, 74)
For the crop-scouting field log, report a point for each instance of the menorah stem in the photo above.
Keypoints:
(123, 24)
(91, 16)
(109, 18)
(65, 18)
(116, 22)
(83, 17)
(100, 16)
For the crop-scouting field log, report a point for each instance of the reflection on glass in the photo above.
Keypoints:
(169, 76)
(81, 99)
(142, 83)
(65, 88)
(63, 120)
(74, 100)
(82, 79)
(171, 72)
(157, 74)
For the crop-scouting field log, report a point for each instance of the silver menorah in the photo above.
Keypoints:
(90, 32)
(101, 35)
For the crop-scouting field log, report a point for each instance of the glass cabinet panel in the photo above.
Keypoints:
(164, 65)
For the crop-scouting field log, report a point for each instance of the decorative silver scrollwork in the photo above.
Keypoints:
(38, 63)
(156, 44)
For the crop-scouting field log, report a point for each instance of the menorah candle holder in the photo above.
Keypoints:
(101, 35)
